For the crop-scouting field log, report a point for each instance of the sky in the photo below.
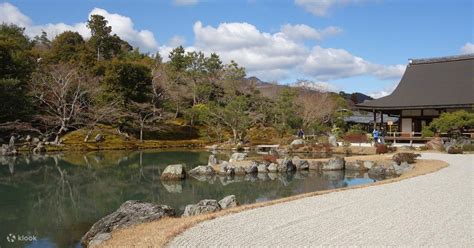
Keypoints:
(348, 45)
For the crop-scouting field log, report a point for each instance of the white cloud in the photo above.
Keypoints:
(384, 92)
(322, 7)
(185, 2)
(121, 25)
(301, 32)
(319, 86)
(468, 48)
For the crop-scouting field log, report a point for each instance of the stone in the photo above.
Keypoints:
(28, 138)
(262, 168)
(332, 140)
(239, 171)
(128, 214)
(222, 168)
(300, 164)
(237, 156)
(202, 170)
(454, 149)
(404, 167)
(8, 150)
(230, 170)
(40, 148)
(336, 163)
(35, 140)
(99, 239)
(253, 168)
(377, 172)
(173, 172)
(297, 142)
(229, 201)
(286, 166)
(408, 157)
(315, 165)
(99, 138)
(435, 144)
(272, 168)
(212, 160)
(202, 207)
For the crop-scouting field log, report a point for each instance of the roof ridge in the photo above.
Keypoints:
(441, 59)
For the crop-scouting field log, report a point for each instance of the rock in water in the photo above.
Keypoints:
(336, 163)
(408, 157)
(316, 165)
(173, 172)
(272, 168)
(238, 156)
(128, 214)
(40, 148)
(212, 160)
(300, 164)
(262, 168)
(202, 207)
(229, 201)
(202, 170)
(332, 140)
(253, 168)
(286, 166)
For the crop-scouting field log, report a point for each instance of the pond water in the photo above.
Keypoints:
(56, 198)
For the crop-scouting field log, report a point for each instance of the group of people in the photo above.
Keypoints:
(379, 136)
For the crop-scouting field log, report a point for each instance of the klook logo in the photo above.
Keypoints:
(20, 238)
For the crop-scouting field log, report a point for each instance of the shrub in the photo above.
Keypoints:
(270, 158)
(381, 149)
(426, 132)
(468, 148)
(356, 138)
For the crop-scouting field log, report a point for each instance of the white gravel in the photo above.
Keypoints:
(430, 210)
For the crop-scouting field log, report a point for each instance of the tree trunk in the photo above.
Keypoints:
(141, 133)
(89, 132)
(234, 132)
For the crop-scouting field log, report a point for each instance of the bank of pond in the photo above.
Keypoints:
(58, 197)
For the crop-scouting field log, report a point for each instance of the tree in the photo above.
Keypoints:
(63, 93)
(66, 47)
(452, 123)
(314, 107)
(285, 114)
(104, 43)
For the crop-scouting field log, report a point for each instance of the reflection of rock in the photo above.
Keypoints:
(262, 176)
(128, 214)
(251, 177)
(272, 175)
(229, 201)
(202, 170)
(204, 178)
(301, 174)
(238, 156)
(202, 207)
(173, 172)
(333, 175)
(173, 187)
(354, 173)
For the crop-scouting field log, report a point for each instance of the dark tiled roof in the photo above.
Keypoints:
(437, 82)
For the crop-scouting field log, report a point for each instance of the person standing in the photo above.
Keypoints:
(383, 132)
(375, 134)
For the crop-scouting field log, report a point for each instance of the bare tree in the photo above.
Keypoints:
(144, 114)
(315, 106)
(63, 93)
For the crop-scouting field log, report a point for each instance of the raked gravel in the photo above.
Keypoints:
(430, 210)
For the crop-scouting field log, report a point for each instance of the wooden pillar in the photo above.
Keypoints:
(381, 119)
(375, 118)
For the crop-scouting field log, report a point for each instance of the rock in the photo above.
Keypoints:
(223, 168)
(336, 163)
(8, 151)
(28, 138)
(229, 201)
(99, 138)
(272, 168)
(212, 147)
(300, 164)
(173, 172)
(237, 156)
(253, 168)
(202, 170)
(239, 171)
(212, 160)
(297, 142)
(99, 239)
(404, 167)
(454, 149)
(40, 148)
(128, 214)
(12, 141)
(316, 165)
(286, 166)
(368, 165)
(408, 157)
(377, 172)
(358, 165)
(202, 207)
(435, 144)
(262, 168)
(332, 140)
(230, 170)
(35, 140)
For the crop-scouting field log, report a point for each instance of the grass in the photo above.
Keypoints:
(159, 233)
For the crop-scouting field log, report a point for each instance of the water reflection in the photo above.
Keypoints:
(59, 196)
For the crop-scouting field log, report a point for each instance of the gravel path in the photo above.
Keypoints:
(430, 210)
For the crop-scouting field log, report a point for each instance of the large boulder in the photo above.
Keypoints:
(212, 160)
(359, 165)
(272, 168)
(315, 165)
(297, 142)
(239, 171)
(253, 168)
(237, 156)
(99, 138)
(336, 163)
(286, 166)
(408, 157)
(454, 149)
(202, 170)
(128, 214)
(262, 167)
(202, 207)
(435, 144)
(173, 172)
(300, 164)
(332, 140)
(399, 169)
(229, 201)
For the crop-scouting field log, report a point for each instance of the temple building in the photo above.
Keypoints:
(428, 88)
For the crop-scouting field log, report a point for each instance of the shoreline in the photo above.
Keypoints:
(160, 233)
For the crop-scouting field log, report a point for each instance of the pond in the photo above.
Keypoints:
(56, 198)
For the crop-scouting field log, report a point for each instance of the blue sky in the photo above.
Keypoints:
(350, 45)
